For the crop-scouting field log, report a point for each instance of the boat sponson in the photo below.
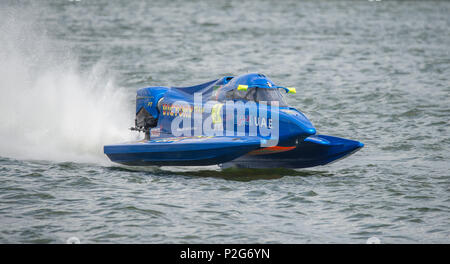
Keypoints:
(182, 151)
(313, 151)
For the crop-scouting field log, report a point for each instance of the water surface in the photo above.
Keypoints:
(377, 72)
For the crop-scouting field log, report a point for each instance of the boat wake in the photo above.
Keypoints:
(50, 109)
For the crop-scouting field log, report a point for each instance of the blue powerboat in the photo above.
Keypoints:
(241, 121)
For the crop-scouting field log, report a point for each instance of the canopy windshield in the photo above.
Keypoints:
(258, 94)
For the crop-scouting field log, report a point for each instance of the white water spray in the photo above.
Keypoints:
(49, 109)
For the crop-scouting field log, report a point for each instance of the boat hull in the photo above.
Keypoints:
(181, 151)
(313, 151)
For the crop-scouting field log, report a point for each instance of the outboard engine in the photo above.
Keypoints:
(144, 122)
(148, 104)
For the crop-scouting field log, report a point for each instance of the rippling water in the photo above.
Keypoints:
(377, 72)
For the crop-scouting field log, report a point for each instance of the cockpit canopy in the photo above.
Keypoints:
(258, 94)
(252, 87)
